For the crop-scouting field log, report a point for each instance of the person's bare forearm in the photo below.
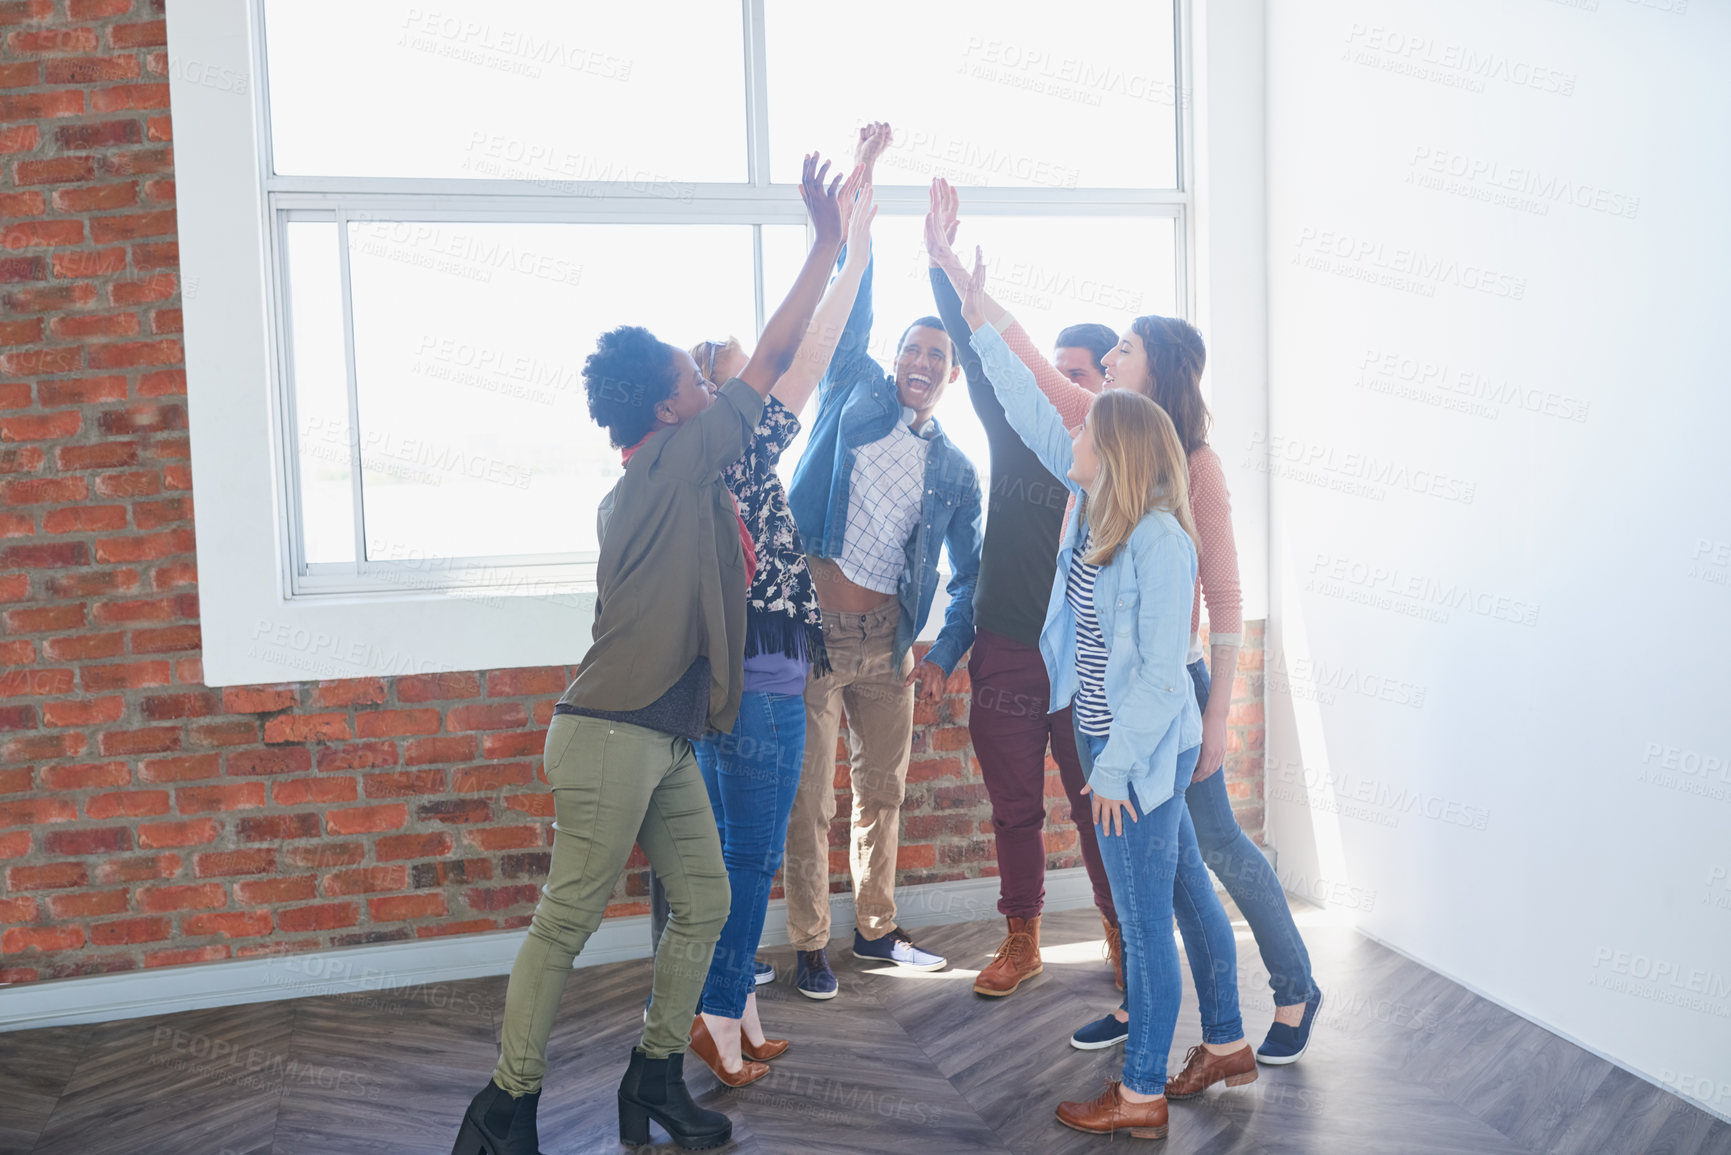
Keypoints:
(823, 334)
(787, 325)
(1222, 674)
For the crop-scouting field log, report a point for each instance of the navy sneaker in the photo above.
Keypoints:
(1285, 1044)
(764, 972)
(1100, 1034)
(814, 979)
(896, 947)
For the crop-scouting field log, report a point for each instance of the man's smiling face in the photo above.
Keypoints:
(923, 368)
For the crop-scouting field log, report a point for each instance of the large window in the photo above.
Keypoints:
(458, 200)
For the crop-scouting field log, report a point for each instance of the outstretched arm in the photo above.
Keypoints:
(781, 336)
(827, 324)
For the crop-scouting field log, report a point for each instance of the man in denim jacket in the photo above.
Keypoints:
(878, 491)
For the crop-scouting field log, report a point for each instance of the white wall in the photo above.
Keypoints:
(1485, 390)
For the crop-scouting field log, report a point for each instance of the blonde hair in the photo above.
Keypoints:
(708, 354)
(1143, 468)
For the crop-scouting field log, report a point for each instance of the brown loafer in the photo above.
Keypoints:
(703, 1046)
(1203, 1069)
(1017, 960)
(1108, 1112)
(1115, 951)
(771, 1049)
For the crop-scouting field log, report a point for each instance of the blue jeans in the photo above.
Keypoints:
(1156, 874)
(1250, 880)
(752, 774)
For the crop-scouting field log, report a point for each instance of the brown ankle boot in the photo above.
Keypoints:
(1108, 1112)
(1114, 950)
(1017, 959)
(1203, 1068)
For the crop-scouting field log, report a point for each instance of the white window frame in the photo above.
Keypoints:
(266, 615)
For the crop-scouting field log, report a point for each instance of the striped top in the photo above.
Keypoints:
(1093, 715)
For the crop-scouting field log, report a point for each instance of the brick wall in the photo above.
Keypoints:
(145, 818)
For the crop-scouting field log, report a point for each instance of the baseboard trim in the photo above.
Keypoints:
(389, 966)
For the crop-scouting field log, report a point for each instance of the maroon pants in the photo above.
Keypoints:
(1010, 729)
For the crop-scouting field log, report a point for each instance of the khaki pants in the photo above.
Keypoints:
(880, 716)
(615, 784)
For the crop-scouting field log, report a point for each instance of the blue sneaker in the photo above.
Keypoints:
(1100, 1034)
(1285, 1044)
(764, 972)
(896, 947)
(814, 979)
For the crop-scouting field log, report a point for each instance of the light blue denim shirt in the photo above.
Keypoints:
(1142, 598)
(857, 405)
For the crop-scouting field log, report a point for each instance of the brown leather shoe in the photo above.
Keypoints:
(1018, 958)
(771, 1049)
(1203, 1069)
(703, 1046)
(1115, 951)
(1108, 1112)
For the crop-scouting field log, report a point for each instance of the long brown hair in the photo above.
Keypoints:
(1176, 356)
(1143, 467)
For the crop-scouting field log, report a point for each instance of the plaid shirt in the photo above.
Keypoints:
(888, 476)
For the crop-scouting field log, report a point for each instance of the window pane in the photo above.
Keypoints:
(470, 341)
(520, 89)
(1050, 272)
(321, 398)
(1007, 94)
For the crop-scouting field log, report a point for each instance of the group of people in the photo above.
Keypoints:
(737, 621)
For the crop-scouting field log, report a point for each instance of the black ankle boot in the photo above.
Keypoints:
(497, 1124)
(655, 1089)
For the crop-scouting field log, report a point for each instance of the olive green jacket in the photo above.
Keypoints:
(670, 579)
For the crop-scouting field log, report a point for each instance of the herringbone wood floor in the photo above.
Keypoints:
(1403, 1063)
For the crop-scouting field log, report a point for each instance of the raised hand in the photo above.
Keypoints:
(821, 204)
(947, 204)
(874, 138)
(939, 239)
(859, 225)
(856, 180)
(973, 293)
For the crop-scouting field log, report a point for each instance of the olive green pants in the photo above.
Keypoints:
(615, 784)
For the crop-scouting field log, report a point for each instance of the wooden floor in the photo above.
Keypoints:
(1403, 1062)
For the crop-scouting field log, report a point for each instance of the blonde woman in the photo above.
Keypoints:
(1115, 640)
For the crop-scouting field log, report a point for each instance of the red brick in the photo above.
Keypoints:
(325, 916)
(307, 728)
(196, 896)
(261, 860)
(144, 290)
(86, 775)
(501, 897)
(471, 926)
(137, 162)
(228, 923)
(44, 619)
(397, 908)
(159, 128)
(84, 712)
(24, 204)
(16, 524)
(240, 733)
(127, 803)
(365, 880)
(21, 332)
(96, 198)
(143, 35)
(492, 716)
(467, 810)
(256, 699)
(85, 646)
(98, 70)
(437, 687)
(98, 9)
(395, 723)
(44, 745)
(198, 832)
(142, 483)
(279, 760)
(350, 692)
(228, 796)
(131, 226)
(412, 846)
(18, 718)
(190, 768)
(52, 40)
(268, 890)
(326, 854)
(15, 780)
(277, 827)
(85, 519)
(158, 190)
(107, 840)
(164, 382)
(14, 587)
(41, 105)
(404, 784)
(85, 325)
(90, 904)
(36, 683)
(42, 427)
(367, 819)
(131, 676)
(101, 134)
(24, 909)
(165, 641)
(148, 740)
(53, 876)
(161, 707)
(102, 455)
(19, 939)
(47, 489)
(39, 234)
(156, 514)
(450, 748)
(18, 653)
(176, 574)
(131, 354)
(165, 321)
(476, 779)
(129, 930)
(119, 96)
(357, 756)
(142, 869)
(14, 271)
(522, 744)
(60, 170)
(527, 680)
(14, 844)
(183, 956)
(301, 791)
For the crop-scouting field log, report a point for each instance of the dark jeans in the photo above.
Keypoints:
(751, 774)
(1011, 729)
(1245, 872)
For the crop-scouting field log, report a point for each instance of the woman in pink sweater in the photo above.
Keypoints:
(1163, 357)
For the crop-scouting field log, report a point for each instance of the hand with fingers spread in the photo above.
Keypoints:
(941, 234)
(822, 204)
(1109, 812)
